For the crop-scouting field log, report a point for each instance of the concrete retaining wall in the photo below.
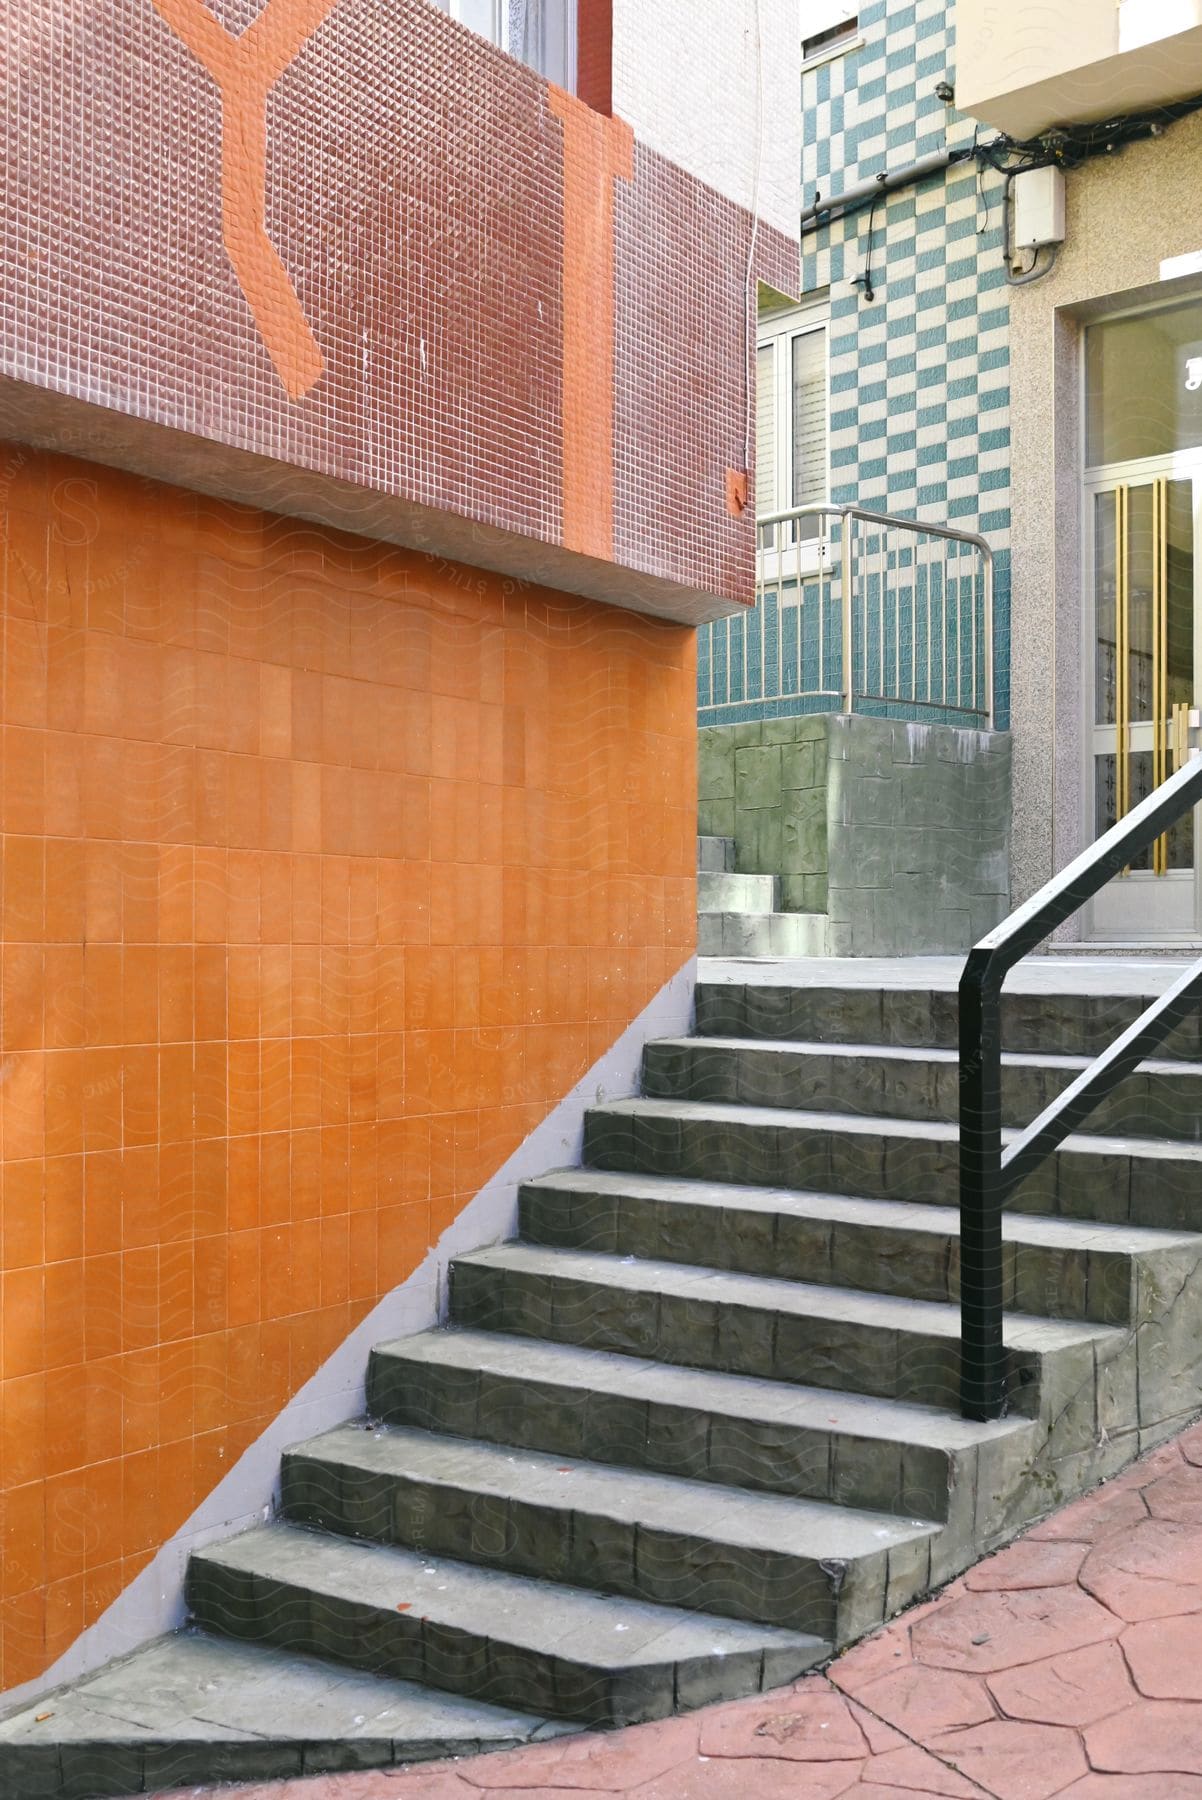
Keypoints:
(899, 833)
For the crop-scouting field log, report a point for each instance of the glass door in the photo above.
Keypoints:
(1142, 582)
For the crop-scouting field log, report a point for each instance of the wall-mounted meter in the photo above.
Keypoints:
(1038, 197)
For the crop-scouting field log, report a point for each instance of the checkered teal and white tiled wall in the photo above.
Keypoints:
(919, 378)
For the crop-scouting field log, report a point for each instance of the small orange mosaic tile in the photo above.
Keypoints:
(326, 869)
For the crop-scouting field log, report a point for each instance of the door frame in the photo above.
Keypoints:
(1106, 918)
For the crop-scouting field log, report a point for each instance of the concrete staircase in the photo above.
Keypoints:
(739, 915)
(696, 1427)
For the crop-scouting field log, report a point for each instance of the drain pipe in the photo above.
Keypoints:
(822, 210)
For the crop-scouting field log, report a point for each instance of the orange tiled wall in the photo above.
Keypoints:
(327, 870)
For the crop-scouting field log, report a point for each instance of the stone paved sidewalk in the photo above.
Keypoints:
(1069, 1664)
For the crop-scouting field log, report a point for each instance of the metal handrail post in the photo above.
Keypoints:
(850, 516)
(987, 1176)
(983, 1354)
(987, 632)
(845, 577)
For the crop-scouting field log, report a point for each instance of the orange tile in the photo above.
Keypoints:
(64, 1026)
(142, 1398)
(243, 1278)
(211, 1187)
(66, 1532)
(313, 859)
(22, 1539)
(102, 1100)
(105, 1315)
(67, 1446)
(140, 1501)
(100, 1384)
(22, 1215)
(24, 1445)
(23, 780)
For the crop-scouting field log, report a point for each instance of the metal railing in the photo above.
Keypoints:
(989, 1174)
(857, 611)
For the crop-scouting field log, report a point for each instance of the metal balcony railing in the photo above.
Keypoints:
(989, 1173)
(856, 611)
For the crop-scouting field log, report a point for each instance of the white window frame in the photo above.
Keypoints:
(779, 330)
(499, 32)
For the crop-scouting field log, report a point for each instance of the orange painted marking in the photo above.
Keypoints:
(246, 68)
(597, 151)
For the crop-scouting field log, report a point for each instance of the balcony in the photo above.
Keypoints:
(1024, 68)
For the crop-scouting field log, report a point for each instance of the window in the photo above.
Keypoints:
(830, 39)
(538, 32)
(791, 410)
(1143, 384)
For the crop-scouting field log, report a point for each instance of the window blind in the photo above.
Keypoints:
(808, 407)
(765, 431)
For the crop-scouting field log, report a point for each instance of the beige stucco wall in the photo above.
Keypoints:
(1025, 67)
(1124, 215)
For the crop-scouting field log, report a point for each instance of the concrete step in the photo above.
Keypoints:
(719, 893)
(485, 1633)
(194, 1708)
(774, 1004)
(704, 1318)
(735, 1430)
(1112, 1180)
(715, 854)
(805, 1565)
(1062, 1268)
(1162, 1099)
(744, 934)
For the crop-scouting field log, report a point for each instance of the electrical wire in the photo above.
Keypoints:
(750, 309)
(865, 280)
(1061, 146)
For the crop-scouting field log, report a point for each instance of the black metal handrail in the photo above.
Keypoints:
(989, 1175)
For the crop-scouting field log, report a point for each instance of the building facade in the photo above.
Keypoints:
(903, 402)
(1107, 429)
(886, 388)
(377, 420)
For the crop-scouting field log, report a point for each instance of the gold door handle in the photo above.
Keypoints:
(1160, 661)
(1181, 730)
(1122, 658)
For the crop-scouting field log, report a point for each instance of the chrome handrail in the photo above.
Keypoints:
(965, 693)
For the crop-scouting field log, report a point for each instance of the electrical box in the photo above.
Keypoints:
(1038, 196)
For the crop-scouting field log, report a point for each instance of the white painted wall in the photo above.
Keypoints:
(715, 86)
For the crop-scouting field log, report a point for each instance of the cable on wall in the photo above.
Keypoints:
(750, 308)
(1061, 146)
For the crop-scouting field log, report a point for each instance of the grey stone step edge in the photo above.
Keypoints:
(1054, 1268)
(1161, 1099)
(493, 1636)
(733, 1430)
(746, 934)
(723, 891)
(833, 1570)
(878, 1345)
(1075, 1024)
(1112, 1180)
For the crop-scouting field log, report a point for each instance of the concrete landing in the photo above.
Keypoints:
(187, 1707)
(1076, 974)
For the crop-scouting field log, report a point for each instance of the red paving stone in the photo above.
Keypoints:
(1067, 1667)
